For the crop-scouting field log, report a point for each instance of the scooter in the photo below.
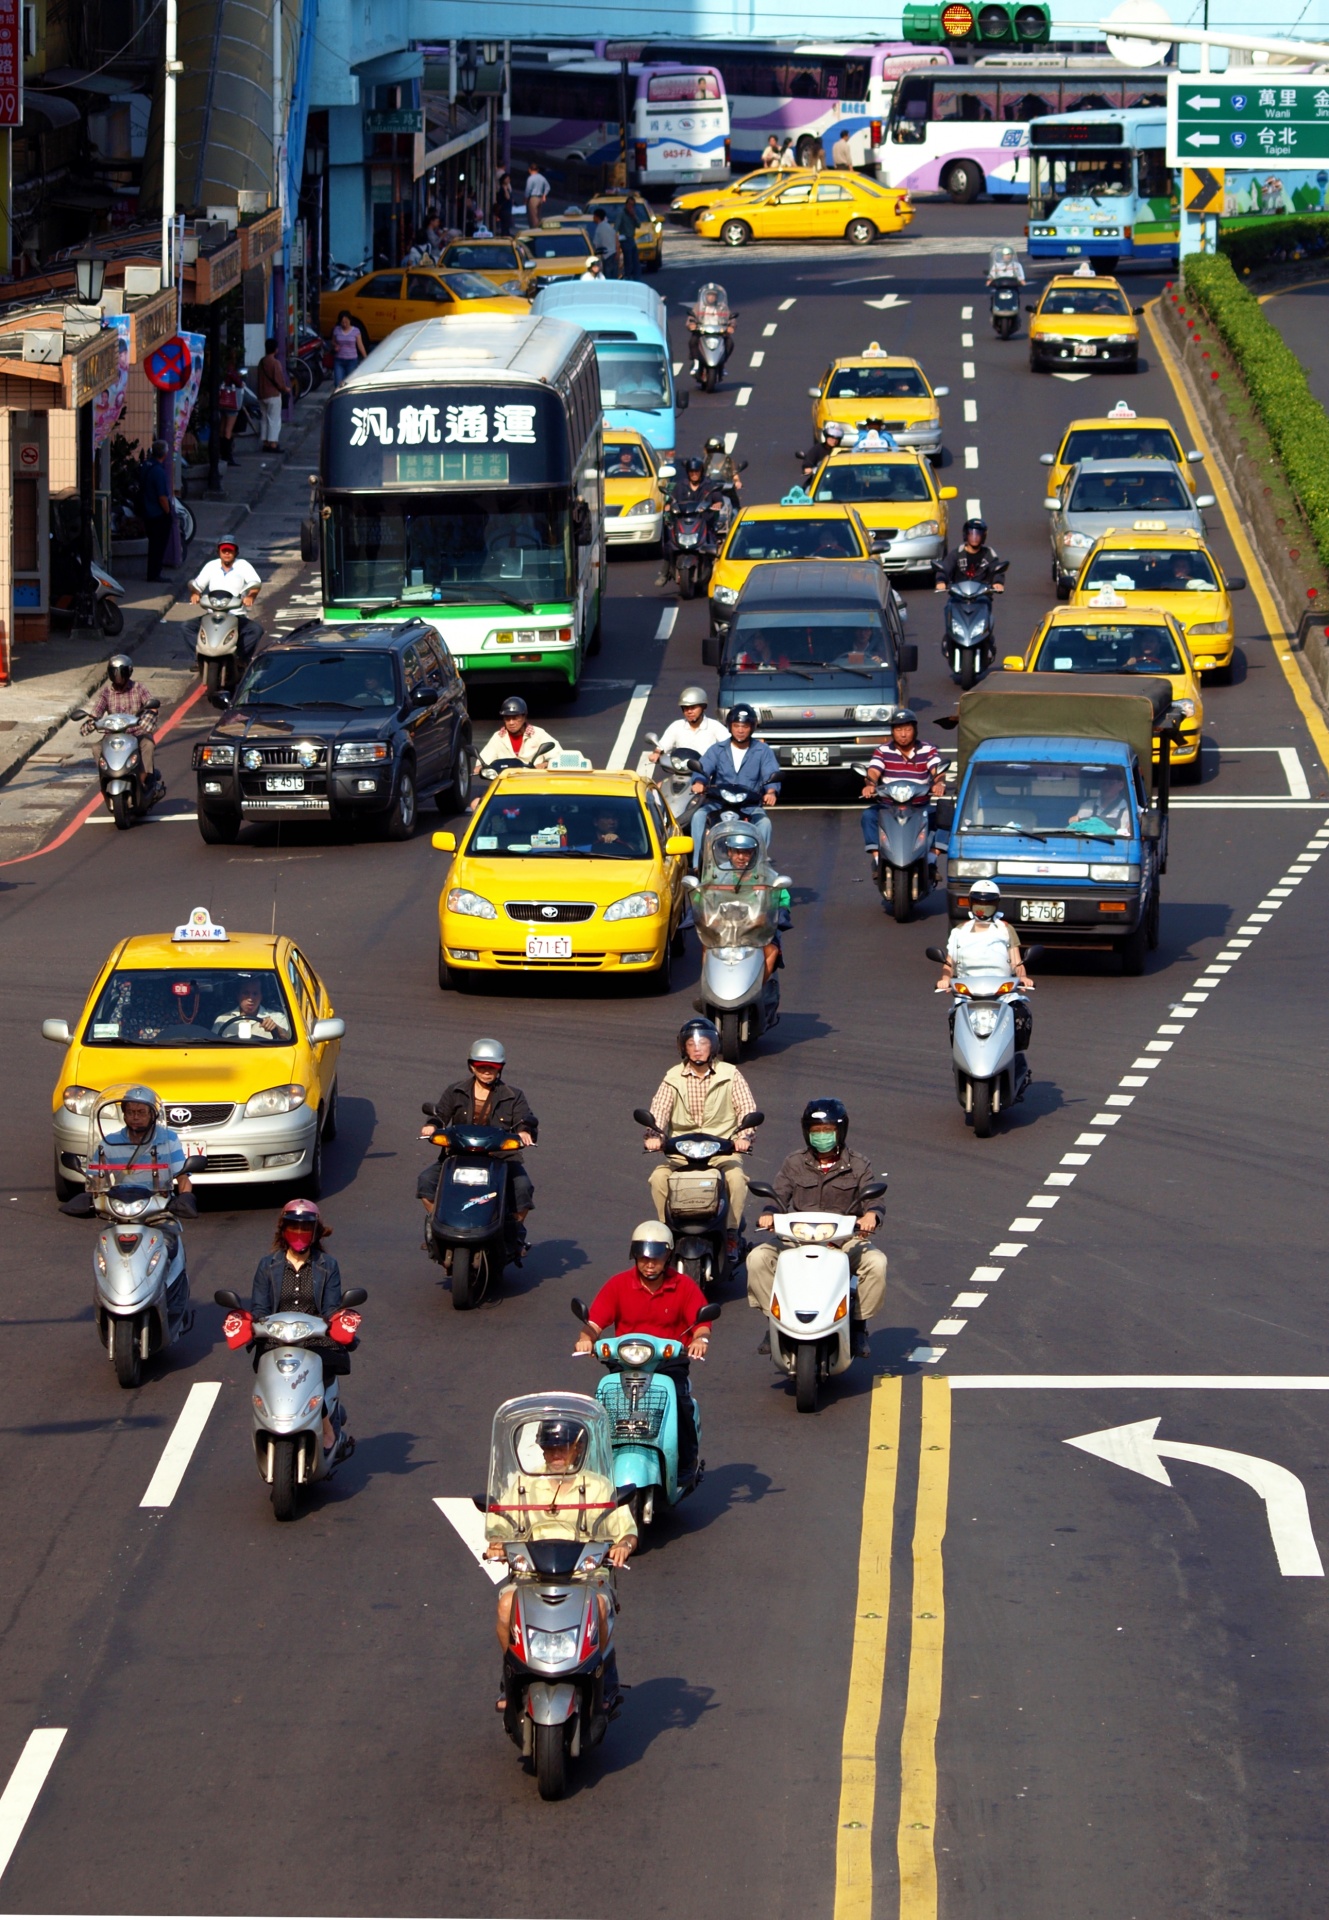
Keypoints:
(1004, 308)
(722, 805)
(674, 774)
(140, 1285)
(472, 1231)
(711, 347)
(107, 593)
(906, 864)
(643, 1408)
(126, 789)
(811, 1305)
(734, 931)
(290, 1400)
(697, 1204)
(698, 531)
(221, 648)
(990, 1076)
(969, 641)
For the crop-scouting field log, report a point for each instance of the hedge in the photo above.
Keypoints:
(1293, 418)
(1266, 242)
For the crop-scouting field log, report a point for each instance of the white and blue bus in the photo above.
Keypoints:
(566, 116)
(1100, 188)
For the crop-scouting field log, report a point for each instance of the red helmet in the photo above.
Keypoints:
(299, 1223)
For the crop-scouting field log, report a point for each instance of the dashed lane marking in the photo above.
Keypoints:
(971, 413)
(179, 1448)
(966, 339)
(973, 507)
(785, 305)
(669, 615)
(971, 457)
(967, 369)
(24, 1785)
(627, 733)
(757, 360)
(966, 313)
(768, 331)
(742, 397)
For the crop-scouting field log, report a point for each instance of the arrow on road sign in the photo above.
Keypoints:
(1204, 100)
(469, 1522)
(1137, 1448)
(1202, 189)
(1201, 139)
(887, 300)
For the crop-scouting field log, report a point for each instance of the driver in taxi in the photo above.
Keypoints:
(271, 1022)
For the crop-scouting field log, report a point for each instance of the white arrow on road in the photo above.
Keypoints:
(1070, 376)
(467, 1518)
(887, 300)
(1204, 100)
(1137, 1448)
(1202, 140)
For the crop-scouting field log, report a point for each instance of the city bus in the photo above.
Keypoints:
(809, 92)
(566, 114)
(460, 482)
(967, 132)
(630, 327)
(1100, 189)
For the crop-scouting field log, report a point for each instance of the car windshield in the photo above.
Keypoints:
(315, 677)
(186, 1006)
(794, 540)
(878, 480)
(568, 245)
(1119, 443)
(1154, 570)
(1082, 301)
(556, 826)
(774, 641)
(626, 463)
(469, 286)
(633, 374)
(877, 383)
(1086, 801)
(515, 543)
(1110, 649)
(484, 259)
(1151, 490)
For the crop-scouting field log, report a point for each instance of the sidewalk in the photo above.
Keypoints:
(51, 678)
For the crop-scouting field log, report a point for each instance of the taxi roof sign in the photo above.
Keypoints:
(1107, 597)
(199, 926)
(875, 347)
(1122, 411)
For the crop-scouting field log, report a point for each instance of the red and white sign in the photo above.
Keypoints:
(11, 63)
(29, 456)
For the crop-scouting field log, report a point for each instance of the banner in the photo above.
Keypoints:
(11, 63)
(110, 402)
(188, 394)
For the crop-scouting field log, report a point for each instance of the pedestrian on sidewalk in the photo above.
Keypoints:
(842, 153)
(230, 398)
(503, 204)
(156, 506)
(537, 192)
(273, 387)
(348, 347)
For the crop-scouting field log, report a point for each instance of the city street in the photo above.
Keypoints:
(1123, 1675)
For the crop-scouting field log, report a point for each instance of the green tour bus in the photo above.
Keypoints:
(461, 481)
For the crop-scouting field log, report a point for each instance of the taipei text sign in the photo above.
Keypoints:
(1261, 120)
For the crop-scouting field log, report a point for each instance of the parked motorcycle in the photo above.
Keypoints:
(472, 1231)
(810, 1312)
(1004, 308)
(222, 647)
(990, 1075)
(642, 1405)
(697, 1203)
(290, 1401)
(906, 864)
(969, 640)
(735, 923)
(107, 593)
(125, 786)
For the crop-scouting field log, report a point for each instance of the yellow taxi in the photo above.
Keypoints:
(379, 303)
(558, 253)
(797, 529)
(687, 207)
(1083, 319)
(236, 1034)
(647, 227)
(896, 498)
(634, 504)
(884, 389)
(1121, 434)
(505, 264)
(1106, 634)
(1174, 571)
(833, 205)
(563, 872)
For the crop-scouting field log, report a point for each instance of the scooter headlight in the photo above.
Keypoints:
(810, 1231)
(983, 1022)
(636, 1353)
(552, 1648)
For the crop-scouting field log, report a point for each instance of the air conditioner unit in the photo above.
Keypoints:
(46, 348)
(142, 281)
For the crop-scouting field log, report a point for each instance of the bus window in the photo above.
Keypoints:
(1017, 104)
(967, 100)
(1154, 175)
(1101, 97)
(802, 80)
(1143, 94)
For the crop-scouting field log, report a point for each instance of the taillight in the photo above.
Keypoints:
(728, 156)
(639, 149)
(876, 132)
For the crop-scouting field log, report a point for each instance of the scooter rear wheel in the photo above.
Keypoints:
(982, 1109)
(125, 1353)
(283, 1478)
(805, 1377)
(551, 1762)
(730, 1029)
(110, 618)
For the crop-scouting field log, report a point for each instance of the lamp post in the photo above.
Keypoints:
(172, 67)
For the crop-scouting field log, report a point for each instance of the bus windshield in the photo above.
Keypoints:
(633, 374)
(1086, 176)
(464, 546)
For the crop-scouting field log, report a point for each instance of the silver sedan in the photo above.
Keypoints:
(1122, 496)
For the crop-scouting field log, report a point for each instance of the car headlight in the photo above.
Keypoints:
(724, 596)
(982, 1022)
(80, 1100)
(360, 753)
(1120, 339)
(553, 1647)
(925, 530)
(1053, 339)
(216, 756)
(260, 1106)
(635, 906)
(462, 900)
(880, 714)
(973, 869)
(1207, 626)
(1187, 706)
(933, 420)
(1077, 540)
(1115, 870)
(641, 508)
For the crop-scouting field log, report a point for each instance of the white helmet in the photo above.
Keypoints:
(692, 697)
(652, 1240)
(985, 894)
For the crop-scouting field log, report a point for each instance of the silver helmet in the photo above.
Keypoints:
(692, 697)
(488, 1053)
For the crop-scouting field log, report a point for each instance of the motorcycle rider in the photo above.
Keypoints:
(120, 692)
(720, 464)
(987, 943)
(515, 738)
(826, 1178)
(685, 493)
(652, 1297)
(145, 1152)
(738, 851)
(296, 1276)
(709, 313)
(747, 762)
(832, 440)
(703, 1094)
(974, 559)
(1004, 265)
(901, 756)
(873, 438)
(485, 1100)
(228, 573)
(694, 731)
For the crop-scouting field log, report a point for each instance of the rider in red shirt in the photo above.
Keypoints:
(652, 1297)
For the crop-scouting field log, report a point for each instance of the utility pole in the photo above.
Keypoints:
(279, 196)
(172, 69)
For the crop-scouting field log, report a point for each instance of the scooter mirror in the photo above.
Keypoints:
(480, 1501)
(428, 1111)
(933, 953)
(580, 1311)
(196, 1163)
(709, 1314)
(625, 1496)
(643, 1118)
(652, 740)
(221, 697)
(741, 466)
(754, 1119)
(78, 1206)
(1033, 953)
(762, 1191)
(227, 1297)
(874, 1192)
(354, 1297)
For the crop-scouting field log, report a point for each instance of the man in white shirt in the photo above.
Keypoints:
(695, 731)
(537, 192)
(228, 573)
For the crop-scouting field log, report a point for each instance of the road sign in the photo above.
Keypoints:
(168, 365)
(1202, 189)
(1261, 120)
(11, 63)
(396, 120)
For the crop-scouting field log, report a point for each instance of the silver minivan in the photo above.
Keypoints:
(1117, 496)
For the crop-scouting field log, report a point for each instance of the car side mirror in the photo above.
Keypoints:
(709, 1314)
(79, 1206)
(228, 1297)
(333, 1029)
(1151, 825)
(580, 1312)
(443, 842)
(1137, 311)
(1204, 500)
(690, 883)
(354, 1297)
(1013, 663)
(678, 845)
(1029, 307)
(221, 698)
(814, 393)
(57, 1030)
(420, 697)
(195, 1163)
(940, 393)
(1194, 454)
(710, 650)
(1052, 503)
(762, 1191)
(935, 953)
(1237, 584)
(909, 657)
(668, 471)
(950, 493)
(879, 543)
(681, 399)
(943, 813)
(1047, 459)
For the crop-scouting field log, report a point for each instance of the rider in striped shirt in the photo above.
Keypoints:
(901, 756)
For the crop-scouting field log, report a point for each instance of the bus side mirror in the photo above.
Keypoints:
(710, 650)
(909, 657)
(943, 812)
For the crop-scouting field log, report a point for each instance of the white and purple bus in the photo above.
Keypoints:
(566, 115)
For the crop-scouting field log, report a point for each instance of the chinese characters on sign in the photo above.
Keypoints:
(509, 424)
(1246, 123)
(11, 63)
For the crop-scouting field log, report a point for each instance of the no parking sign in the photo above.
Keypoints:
(168, 365)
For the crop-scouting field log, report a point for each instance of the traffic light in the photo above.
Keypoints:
(998, 23)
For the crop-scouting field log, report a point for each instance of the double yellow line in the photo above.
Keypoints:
(916, 1832)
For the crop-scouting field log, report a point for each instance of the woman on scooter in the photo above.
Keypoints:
(298, 1277)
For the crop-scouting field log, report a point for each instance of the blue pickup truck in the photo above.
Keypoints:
(1057, 800)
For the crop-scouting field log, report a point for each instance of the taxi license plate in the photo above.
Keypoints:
(549, 946)
(809, 756)
(1085, 349)
(1045, 910)
(286, 783)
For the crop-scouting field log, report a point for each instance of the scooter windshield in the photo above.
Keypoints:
(734, 911)
(551, 1470)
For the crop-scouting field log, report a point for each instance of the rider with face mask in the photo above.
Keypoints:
(987, 943)
(298, 1277)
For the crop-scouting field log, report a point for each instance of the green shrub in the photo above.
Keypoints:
(1264, 241)
(1293, 418)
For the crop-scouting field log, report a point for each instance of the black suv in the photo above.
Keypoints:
(338, 723)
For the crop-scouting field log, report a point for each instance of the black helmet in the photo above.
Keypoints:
(551, 1434)
(980, 527)
(904, 717)
(715, 444)
(741, 711)
(694, 463)
(826, 1114)
(513, 708)
(700, 1027)
(119, 669)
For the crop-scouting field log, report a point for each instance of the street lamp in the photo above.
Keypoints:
(89, 278)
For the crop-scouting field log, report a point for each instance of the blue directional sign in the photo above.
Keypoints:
(1277, 122)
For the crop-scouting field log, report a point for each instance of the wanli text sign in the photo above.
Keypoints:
(1264, 120)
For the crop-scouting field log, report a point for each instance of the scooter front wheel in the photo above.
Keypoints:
(902, 893)
(213, 672)
(122, 811)
(968, 669)
(805, 1377)
(982, 1109)
(110, 618)
(125, 1353)
(464, 1277)
(283, 1478)
(551, 1762)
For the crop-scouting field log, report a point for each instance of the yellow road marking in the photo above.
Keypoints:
(1293, 670)
(1296, 287)
(916, 1842)
(867, 1672)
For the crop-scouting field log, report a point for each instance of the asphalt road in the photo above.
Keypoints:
(266, 1719)
(1300, 315)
